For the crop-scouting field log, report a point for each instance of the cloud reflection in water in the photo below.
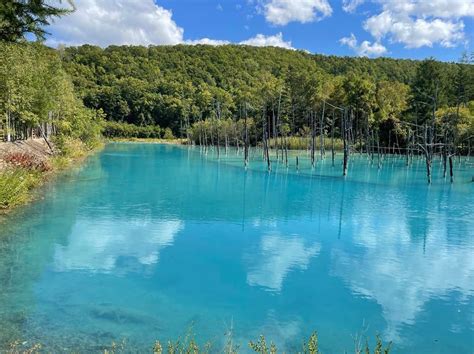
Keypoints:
(96, 245)
(278, 255)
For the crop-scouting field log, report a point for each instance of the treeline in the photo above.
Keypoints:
(38, 99)
(285, 92)
(124, 130)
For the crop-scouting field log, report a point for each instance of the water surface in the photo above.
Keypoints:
(149, 242)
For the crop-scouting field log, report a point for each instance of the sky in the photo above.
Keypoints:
(414, 29)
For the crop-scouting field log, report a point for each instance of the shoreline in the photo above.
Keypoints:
(27, 165)
(148, 141)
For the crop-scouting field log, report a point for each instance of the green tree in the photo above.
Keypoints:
(20, 17)
(428, 90)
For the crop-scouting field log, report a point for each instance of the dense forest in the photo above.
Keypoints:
(180, 87)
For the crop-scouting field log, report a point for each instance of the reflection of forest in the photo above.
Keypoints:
(399, 245)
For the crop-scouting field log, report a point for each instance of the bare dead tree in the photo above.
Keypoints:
(321, 131)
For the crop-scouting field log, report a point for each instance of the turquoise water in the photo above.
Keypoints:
(149, 242)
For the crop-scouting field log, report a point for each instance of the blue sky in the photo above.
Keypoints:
(396, 28)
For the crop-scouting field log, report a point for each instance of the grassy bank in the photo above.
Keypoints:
(24, 171)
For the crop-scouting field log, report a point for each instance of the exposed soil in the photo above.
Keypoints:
(33, 147)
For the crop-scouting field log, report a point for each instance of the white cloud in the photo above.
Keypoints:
(282, 12)
(351, 5)
(105, 22)
(434, 8)
(261, 40)
(207, 41)
(415, 33)
(365, 49)
(132, 22)
(417, 23)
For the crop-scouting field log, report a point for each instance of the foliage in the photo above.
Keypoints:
(379, 347)
(126, 130)
(196, 88)
(304, 143)
(190, 345)
(16, 185)
(37, 95)
(312, 347)
(168, 134)
(428, 91)
(261, 347)
(463, 118)
(18, 18)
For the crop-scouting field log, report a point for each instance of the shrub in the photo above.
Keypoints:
(125, 130)
(15, 186)
(168, 134)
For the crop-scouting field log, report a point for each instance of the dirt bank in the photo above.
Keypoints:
(33, 147)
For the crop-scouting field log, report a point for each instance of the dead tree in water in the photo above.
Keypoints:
(218, 116)
(284, 130)
(444, 151)
(427, 148)
(332, 137)
(313, 139)
(266, 154)
(368, 149)
(408, 146)
(345, 137)
(269, 163)
(321, 132)
(246, 142)
(333, 122)
(451, 174)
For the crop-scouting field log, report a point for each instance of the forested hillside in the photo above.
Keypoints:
(176, 86)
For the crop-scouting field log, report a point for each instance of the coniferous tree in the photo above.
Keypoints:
(21, 17)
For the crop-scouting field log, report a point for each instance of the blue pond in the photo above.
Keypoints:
(148, 242)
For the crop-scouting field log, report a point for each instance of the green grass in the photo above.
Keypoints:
(303, 143)
(16, 186)
(189, 345)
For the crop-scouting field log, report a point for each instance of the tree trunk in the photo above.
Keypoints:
(321, 131)
(332, 139)
(451, 175)
(313, 136)
(346, 145)
(246, 148)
